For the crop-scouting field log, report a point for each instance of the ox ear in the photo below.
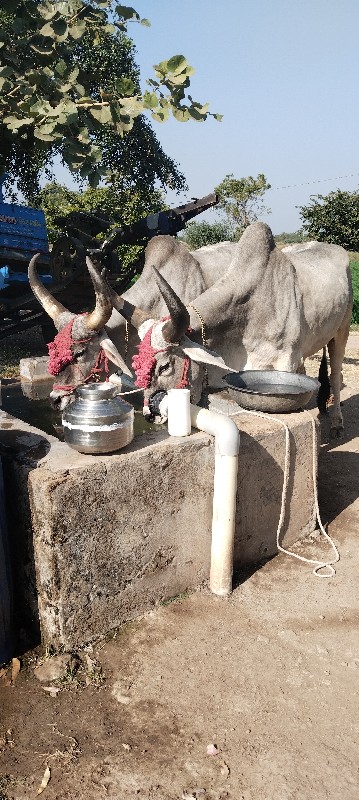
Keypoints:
(113, 355)
(201, 355)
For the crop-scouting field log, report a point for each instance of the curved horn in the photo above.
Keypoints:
(103, 309)
(133, 314)
(176, 327)
(52, 306)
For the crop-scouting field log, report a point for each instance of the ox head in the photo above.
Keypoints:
(167, 358)
(78, 353)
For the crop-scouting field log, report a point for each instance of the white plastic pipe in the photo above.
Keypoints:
(226, 436)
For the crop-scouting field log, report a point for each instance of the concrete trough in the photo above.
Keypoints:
(98, 540)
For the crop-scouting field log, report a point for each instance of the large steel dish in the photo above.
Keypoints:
(270, 391)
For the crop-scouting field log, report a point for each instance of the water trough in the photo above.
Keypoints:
(98, 540)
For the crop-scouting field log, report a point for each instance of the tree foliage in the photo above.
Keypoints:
(333, 218)
(289, 238)
(241, 200)
(199, 234)
(51, 102)
(122, 206)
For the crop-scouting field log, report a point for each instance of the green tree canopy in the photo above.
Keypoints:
(199, 234)
(53, 100)
(333, 218)
(241, 200)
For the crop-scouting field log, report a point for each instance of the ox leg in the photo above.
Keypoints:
(336, 349)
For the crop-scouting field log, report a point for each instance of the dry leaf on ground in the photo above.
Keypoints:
(45, 780)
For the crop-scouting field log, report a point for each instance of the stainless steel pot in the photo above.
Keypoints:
(97, 421)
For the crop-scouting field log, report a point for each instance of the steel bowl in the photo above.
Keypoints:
(270, 391)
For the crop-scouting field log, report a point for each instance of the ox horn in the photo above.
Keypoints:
(131, 313)
(176, 327)
(52, 306)
(103, 309)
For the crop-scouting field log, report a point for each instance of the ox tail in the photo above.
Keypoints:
(323, 378)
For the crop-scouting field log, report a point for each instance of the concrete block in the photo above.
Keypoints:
(115, 534)
(34, 368)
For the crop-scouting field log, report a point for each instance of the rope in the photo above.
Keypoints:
(204, 337)
(318, 564)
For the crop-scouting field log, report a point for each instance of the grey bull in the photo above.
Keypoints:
(258, 308)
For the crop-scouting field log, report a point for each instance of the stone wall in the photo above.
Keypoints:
(104, 538)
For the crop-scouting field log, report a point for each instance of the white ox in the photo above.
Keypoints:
(260, 308)
(271, 309)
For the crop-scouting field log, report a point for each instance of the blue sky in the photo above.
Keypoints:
(284, 73)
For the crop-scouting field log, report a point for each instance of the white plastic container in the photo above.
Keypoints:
(179, 413)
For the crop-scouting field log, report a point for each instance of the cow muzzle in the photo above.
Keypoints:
(59, 401)
(157, 408)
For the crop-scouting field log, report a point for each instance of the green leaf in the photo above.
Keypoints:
(161, 68)
(102, 114)
(78, 30)
(73, 75)
(5, 85)
(45, 137)
(180, 114)
(48, 10)
(14, 122)
(47, 31)
(161, 116)
(79, 89)
(127, 12)
(60, 29)
(60, 68)
(176, 64)
(218, 117)
(150, 100)
(145, 22)
(124, 86)
(94, 178)
(195, 114)
(177, 80)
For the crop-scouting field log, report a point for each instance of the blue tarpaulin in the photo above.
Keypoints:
(7, 277)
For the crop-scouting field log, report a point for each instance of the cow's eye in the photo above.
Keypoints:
(163, 367)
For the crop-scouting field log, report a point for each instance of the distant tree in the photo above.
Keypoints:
(333, 218)
(67, 79)
(241, 200)
(199, 234)
(290, 238)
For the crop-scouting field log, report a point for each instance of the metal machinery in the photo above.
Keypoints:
(23, 233)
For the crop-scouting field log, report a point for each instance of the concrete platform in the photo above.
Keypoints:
(98, 540)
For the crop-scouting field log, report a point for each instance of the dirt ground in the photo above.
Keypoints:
(268, 678)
